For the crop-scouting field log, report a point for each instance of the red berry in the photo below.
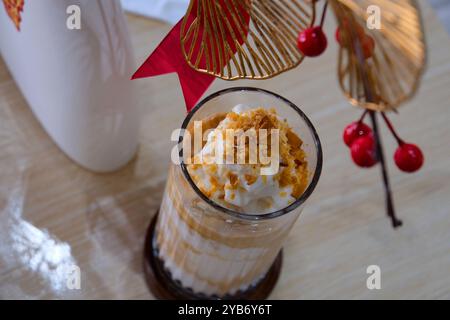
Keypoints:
(368, 45)
(363, 151)
(338, 35)
(367, 42)
(355, 130)
(408, 157)
(341, 32)
(312, 42)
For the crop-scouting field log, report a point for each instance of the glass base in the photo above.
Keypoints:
(164, 287)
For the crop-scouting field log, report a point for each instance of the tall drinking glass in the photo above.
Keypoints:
(207, 250)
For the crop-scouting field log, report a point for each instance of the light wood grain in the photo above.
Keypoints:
(53, 213)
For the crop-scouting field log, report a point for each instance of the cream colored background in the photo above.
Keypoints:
(54, 214)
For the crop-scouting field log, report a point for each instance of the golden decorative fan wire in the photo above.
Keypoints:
(264, 48)
(216, 40)
(394, 71)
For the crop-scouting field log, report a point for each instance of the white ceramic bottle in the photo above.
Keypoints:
(77, 82)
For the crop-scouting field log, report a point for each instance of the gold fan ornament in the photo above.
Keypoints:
(243, 39)
(396, 63)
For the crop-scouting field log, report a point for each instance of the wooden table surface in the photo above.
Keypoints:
(55, 214)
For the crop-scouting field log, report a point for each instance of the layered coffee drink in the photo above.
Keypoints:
(230, 203)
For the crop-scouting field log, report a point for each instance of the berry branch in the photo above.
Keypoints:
(312, 42)
(387, 187)
(365, 144)
(324, 14)
(408, 157)
(391, 128)
(370, 97)
(363, 116)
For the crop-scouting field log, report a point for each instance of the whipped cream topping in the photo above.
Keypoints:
(242, 187)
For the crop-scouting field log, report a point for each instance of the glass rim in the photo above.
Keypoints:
(245, 216)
